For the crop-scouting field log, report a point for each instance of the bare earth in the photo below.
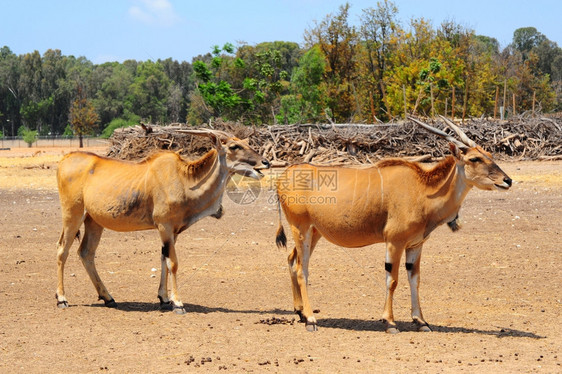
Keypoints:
(491, 292)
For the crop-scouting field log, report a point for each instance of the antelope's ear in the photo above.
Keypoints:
(216, 140)
(457, 152)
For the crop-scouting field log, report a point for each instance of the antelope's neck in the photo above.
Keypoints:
(205, 196)
(447, 200)
(210, 185)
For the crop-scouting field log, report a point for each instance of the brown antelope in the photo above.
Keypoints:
(395, 201)
(163, 192)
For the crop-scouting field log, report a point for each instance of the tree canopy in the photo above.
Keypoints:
(365, 70)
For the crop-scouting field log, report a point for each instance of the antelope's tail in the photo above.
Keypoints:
(280, 238)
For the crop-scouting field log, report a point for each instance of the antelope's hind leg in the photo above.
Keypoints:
(392, 263)
(297, 297)
(87, 252)
(169, 269)
(298, 267)
(413, 260)
(165, 303)
(71, 224)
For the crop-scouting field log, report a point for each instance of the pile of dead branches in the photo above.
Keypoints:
(529, 139)
(138, 142)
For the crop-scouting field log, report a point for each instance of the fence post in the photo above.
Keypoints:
(465, 101)
(496, 102)
(405, 107)
(453, 105)
(504, 98)
(432, 106)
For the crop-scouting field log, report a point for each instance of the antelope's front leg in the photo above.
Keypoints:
(163, 288)
(391, 265)
(169, 267)
(413, 260)
(297, 297)
(303, 250)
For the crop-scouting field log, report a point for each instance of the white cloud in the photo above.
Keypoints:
(154, 12)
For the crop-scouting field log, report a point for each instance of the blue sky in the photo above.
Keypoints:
(116, 30)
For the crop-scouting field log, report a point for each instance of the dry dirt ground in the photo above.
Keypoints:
(491, 292)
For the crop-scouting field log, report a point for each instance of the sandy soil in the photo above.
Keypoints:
(491, 292)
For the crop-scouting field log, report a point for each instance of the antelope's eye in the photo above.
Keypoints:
(475, 159)
(235, 147)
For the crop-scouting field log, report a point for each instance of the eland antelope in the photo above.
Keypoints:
(162, 192)
(395, 201)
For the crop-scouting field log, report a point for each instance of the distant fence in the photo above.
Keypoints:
(53, 141)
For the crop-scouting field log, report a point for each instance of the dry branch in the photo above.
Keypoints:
(520, 138)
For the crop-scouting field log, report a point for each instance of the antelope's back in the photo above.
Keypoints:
(343, 204)
(73, 170)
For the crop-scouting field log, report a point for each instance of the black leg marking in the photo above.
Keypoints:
(454, 224)
(219, 213)
(165, 305)
(409, 266)
(108, 303)
(61, 304)
(301, 316)
(166, 250)
(388, 267)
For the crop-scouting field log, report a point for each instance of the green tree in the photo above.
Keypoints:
(264, 77)
(77, 71)
(28, 136)
(119, 123)
(31, 76)
(113, 92)
(525, 39)
(304, 103)
(413, 51)
(54, 71)
(546, 52)
(337, 40)
(148, 94)
(83, 117)
(486, 44)
(378, 31)
(35, 113)
(10, 96)
(219, 98)
(182, 83)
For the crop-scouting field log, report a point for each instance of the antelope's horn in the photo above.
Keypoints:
(207, 132)
(439, 132)
(215, 135)
(464, 138)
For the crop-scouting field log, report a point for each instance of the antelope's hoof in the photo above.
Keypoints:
(422, 325)
(311, 327)
(61, 303)
(110, 304)
(165, 305)
(179, 309)
(392, 330)
(424, 328)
